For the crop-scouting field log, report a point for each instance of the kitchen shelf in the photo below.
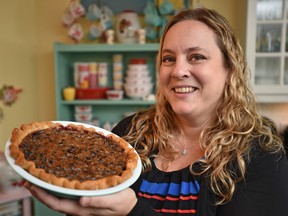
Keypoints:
(72, 48)
(104, 102)
(65, 55)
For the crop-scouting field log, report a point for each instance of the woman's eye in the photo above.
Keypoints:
(168, 59)
(196, 57)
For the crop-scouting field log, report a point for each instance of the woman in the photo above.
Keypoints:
(204, 147)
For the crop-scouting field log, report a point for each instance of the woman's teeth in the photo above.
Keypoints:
(184, 89)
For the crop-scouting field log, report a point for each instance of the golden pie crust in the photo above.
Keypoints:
(72, 156)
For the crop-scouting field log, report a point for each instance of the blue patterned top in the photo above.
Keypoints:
(170, 193)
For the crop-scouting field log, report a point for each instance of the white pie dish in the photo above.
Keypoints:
(67, 192)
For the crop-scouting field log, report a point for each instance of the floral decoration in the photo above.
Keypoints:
(8, 95)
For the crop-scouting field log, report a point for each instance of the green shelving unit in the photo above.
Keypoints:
(65, 55)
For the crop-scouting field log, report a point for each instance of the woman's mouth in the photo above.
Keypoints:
(185, 89)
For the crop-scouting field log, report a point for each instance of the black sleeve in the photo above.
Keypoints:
(264, 191)
(141, 208)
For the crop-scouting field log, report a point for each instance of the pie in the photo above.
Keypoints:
(72, 156)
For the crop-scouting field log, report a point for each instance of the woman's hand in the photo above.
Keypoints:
(120, 203)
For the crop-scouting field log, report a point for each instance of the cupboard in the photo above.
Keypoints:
(66, 55)
(267, 49)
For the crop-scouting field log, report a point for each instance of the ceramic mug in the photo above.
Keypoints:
(94, 32)
(106, 22)
(67, 19)
(93, 12)
(76, 32)
(153, 19)
(76, 9)
(151, 33)
(166, 8)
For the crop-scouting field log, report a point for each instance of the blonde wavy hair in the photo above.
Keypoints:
(228, 139)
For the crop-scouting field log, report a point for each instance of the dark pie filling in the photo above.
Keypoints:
(74, 154)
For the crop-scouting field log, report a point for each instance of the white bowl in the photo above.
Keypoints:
(83, 117)
(137, 74)
(138, 91)
(115, 94)
(138, 67)
(138, 81)
(83, 109)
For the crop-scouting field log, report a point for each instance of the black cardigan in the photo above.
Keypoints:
(264, 192)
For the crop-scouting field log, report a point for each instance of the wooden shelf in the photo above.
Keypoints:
(60, 47)
(123, 102)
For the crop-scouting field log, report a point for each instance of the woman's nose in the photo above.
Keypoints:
(181, 70)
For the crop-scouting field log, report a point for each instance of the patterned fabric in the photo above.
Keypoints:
(171, 193)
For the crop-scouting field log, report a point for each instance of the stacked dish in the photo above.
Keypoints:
(138, 82)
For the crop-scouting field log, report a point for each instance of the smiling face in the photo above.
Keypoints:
(192, 73)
